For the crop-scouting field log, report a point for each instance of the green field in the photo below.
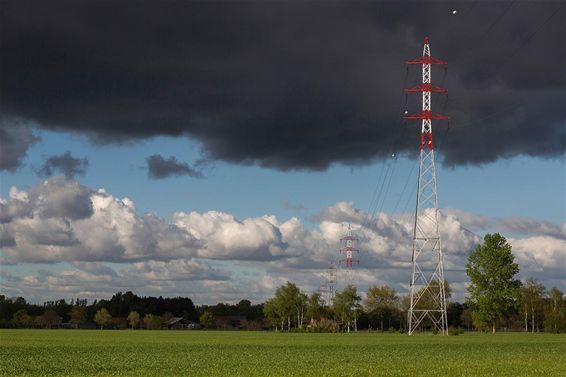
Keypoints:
(210, 353)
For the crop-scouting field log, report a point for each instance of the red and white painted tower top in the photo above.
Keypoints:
(426, 115)
(348, 248)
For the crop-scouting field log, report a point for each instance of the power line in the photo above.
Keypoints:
(531, 36)
(523, 44)
(388, 184)
(506, 59)
(404, 187)
(377, 194)
(521, 47)
(493, 24)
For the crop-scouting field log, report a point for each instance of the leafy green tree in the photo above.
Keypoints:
(21, 318)
(301, 306)
(346, 306)
(315, 307)
(207, 318)
(454, 312)
(153, 322)
(285, 297)
(78, 315)
(555, 312)
(532, 303)
(293, 302)
(134, 319)
(381, 302)
(493, 289)
(289, 302)
(48, 319)
(244, 307)
(274, 313)
(102, 317)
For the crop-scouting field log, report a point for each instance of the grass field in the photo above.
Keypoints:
(209, 353)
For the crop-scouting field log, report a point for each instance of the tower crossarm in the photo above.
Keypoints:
(426, 60)
(348, 262)
(426, 87)
(348, 238)
(426, 115)
(345, 249)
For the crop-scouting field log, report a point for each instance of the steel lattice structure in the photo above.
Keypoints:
(330, 284)
(328, 288)
(428, 297)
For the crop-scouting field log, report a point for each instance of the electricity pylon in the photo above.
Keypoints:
(428, 297)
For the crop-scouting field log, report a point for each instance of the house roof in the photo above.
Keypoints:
(174, 320)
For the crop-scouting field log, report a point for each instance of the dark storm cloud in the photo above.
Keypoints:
(65, 164)
(297, 85)
(15, 139)
(159, 168)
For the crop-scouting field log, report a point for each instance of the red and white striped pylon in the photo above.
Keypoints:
(427, 291)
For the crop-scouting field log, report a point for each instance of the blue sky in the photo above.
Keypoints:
(521, 186)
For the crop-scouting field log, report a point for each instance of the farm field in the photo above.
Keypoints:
(216, 353)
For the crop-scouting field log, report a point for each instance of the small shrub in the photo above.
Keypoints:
(391, 330)
(325, 325)
(434, 331)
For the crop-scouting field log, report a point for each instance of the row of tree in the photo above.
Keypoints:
(120, 305)
(383, 309)
(78, 318)
(496, 298)
(118, 312)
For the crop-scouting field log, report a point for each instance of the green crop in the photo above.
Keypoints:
(224, 353)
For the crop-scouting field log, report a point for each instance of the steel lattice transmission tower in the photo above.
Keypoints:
(330, 284)
(327, 289)
(348, 245)
(428, 298)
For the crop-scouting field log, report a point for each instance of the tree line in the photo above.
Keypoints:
(496, 300)
(121, 311)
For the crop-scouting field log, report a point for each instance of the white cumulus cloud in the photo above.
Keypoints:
(61, 221)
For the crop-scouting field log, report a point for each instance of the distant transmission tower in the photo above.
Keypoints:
(428, 298)
(348, 248)
(329, 286)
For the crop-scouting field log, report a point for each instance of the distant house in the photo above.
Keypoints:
(230, 322)
(180, 323)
